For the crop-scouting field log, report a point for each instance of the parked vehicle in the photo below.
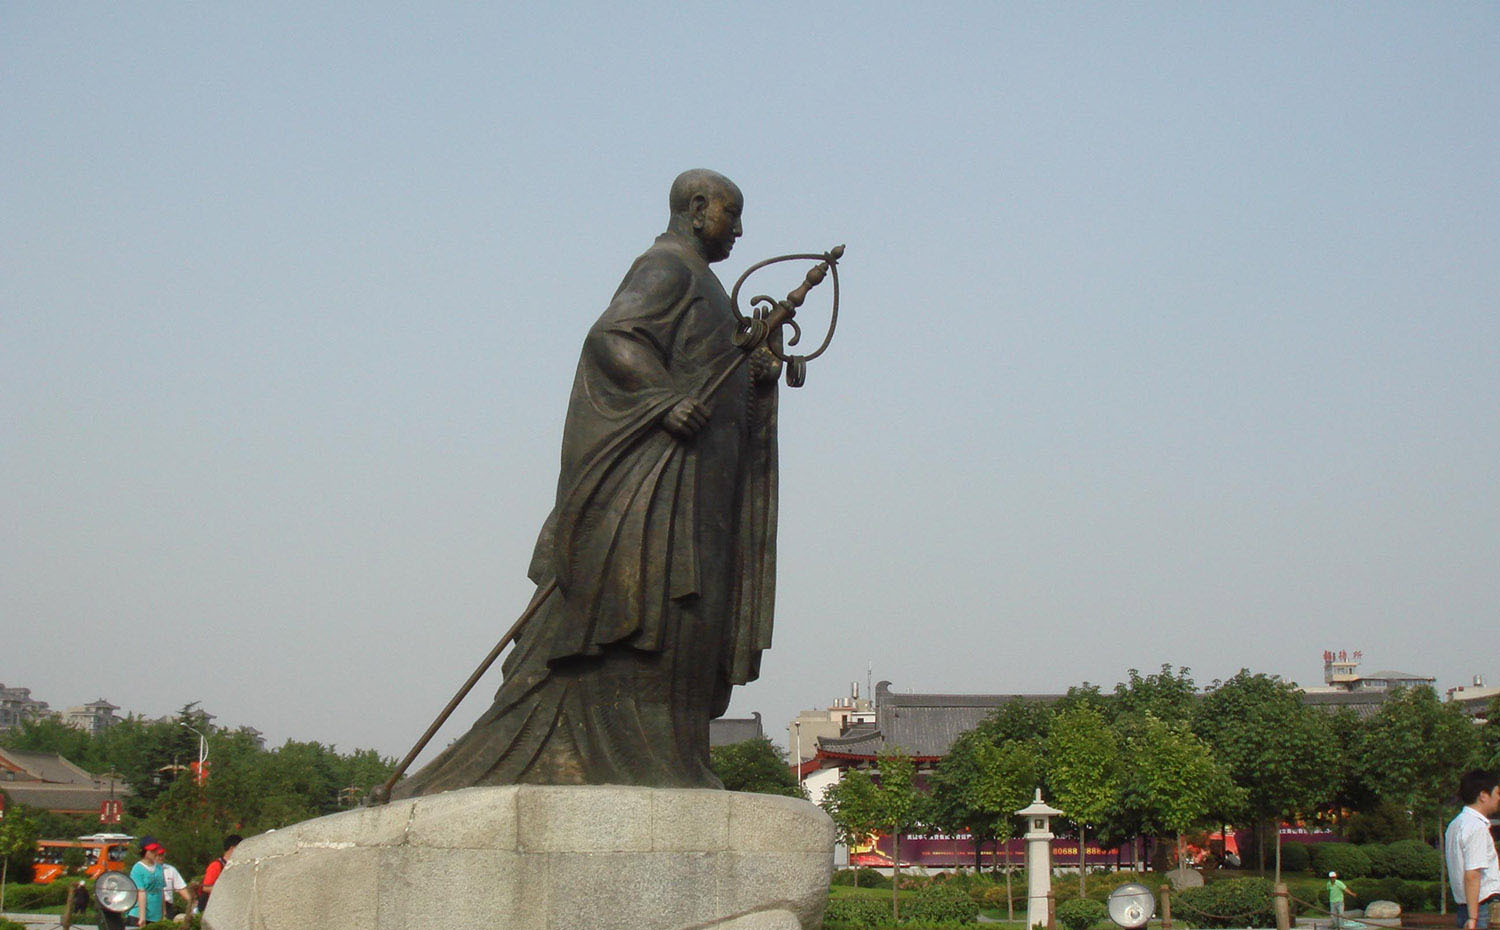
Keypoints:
(102, 852)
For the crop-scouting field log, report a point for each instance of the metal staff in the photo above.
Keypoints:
(754, 332)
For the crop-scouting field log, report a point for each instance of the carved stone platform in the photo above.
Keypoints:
(523, 857)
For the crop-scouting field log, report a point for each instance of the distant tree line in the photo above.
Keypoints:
(248, 789)
(1156, 758)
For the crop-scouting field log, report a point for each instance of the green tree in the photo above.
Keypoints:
(978, 785)
(1083, 763)
(1273, 746)
(247, 789)
(1009, 774)
(953, 802)
(897, 805)
(18, 836)
(1087, 695)
(1169, 782)
(49, 734)
(1167, 695)
(754, 765)
(1414, 750)
(1488, 756)
(1017, 720)
(851, 802)
(1348, 789)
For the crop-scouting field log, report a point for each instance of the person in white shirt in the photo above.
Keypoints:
(172, 884)
(1473, 867)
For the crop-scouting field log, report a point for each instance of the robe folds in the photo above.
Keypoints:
(663, 551)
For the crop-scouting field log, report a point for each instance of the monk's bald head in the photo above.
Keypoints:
(699, 181)
(706, 209)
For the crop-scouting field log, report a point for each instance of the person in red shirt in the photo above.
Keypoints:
(215, 869)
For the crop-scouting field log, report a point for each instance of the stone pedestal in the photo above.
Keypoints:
(524, 857)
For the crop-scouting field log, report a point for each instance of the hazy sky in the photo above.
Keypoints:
(1169, 335)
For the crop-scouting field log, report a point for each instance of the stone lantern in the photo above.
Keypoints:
(1038, 816)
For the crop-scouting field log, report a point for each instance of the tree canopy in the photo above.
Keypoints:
(754, 765)
(249, 789)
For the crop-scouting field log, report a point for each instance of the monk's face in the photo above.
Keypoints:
(720, 223)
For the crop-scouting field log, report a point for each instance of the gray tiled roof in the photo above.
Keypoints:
(1389, 675)
(726, 731)
(922, 725)
(61, 798)
(47, 767)
(927, 724)
(1363, 703)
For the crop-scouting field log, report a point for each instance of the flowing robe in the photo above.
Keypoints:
(663, 550)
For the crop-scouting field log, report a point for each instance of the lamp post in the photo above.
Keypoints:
(202, 749)
(797, 730)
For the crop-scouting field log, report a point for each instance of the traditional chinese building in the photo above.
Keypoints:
(47, 781)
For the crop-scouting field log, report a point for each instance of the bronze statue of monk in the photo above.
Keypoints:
(662, 541)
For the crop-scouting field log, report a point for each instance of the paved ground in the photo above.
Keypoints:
(43, 922)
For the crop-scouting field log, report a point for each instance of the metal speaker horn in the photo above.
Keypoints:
(1131, 905)
(115, 891)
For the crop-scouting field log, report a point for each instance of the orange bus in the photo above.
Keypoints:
(102, 852)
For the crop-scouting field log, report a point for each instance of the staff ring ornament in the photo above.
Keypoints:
(767, 314)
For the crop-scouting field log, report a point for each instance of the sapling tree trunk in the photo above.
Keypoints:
(1010, 901)
(1082, 862)
(1278, 853)
(895, 874)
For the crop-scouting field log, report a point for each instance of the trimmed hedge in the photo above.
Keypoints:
(1236, 902)
(1411, 895)
(20, 898)
(941, 901)
(905, 925)
(1409, 859)
(1344, 858)
(995, 896)
(856, 914)
(1081, 913)
(1295, 857)
(868, 878)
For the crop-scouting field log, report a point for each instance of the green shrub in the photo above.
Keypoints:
(1366, 890)
(1411, 895)
(868, 878)
(1101, 886)
(941, 901)
(1081, 913)
(1409, 859)
(1344, 858)
(11, 925)
(1295, 857)
(1419, 896)
(856, 913)
(20, 898)
(995, 896)
(1235, 902)
(1251, 896)
(910, 882)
